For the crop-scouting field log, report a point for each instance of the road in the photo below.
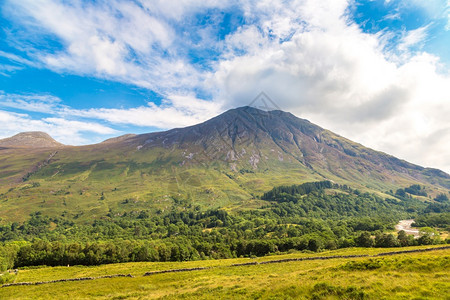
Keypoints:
(406, 226)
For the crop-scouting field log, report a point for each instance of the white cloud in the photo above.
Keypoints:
(6, 69)
(77, 126)
(433, 8)
(178, 9)
(393, 16)
(179, 111)
(16, 59)
(175, 111)
(448, 15)
(31, 102)
(16, 63)
(418, 129)
(118, 40)
(414, 37)
(64, 131)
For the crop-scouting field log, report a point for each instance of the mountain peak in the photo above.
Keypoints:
(30, 139)
(255, 110)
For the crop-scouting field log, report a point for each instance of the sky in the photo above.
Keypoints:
(376, 72)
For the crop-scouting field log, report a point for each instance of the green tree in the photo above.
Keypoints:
(441, 198)
(386, 240)
(364, 240)
(405, 239)
(314, 244)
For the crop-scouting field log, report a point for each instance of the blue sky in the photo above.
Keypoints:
(375, 71)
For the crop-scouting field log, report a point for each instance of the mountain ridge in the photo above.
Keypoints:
(24, 139)
(230, 136)
(229, 160)
(191, 133)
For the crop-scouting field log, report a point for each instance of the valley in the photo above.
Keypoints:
(246, 185)
(241, 149)
(226, 162)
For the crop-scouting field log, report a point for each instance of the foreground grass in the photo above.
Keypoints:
(406, 276)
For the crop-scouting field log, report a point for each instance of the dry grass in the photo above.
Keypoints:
(414, 275)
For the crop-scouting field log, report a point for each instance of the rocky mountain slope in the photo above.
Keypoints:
(250, 138)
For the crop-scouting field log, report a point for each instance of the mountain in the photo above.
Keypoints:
(227, 161)
(250, 138)
(31, 139)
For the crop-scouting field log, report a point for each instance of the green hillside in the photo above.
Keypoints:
(245, 183)
(226, 162)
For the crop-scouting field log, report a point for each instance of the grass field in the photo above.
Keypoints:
(423, 275)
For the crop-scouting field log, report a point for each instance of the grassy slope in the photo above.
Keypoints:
(212, 164)
(406, 276)
(85, 183)
(88, 183)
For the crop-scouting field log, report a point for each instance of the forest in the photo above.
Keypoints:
(309, 217)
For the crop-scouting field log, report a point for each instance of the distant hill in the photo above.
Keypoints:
(31, 139)
(228, 161)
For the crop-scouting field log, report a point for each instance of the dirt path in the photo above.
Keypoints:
(406, 226)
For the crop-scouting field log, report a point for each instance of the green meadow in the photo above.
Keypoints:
(416, 275)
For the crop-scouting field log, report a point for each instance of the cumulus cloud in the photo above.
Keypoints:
(118, 40)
